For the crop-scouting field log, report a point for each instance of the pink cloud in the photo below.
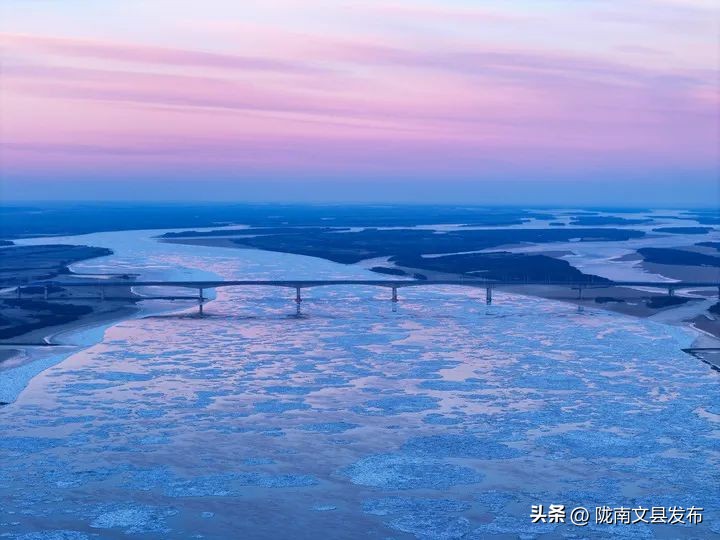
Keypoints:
(80, 48)
(324, 103)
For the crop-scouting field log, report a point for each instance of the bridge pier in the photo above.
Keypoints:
(201, 300)
(580, 292)
(488, 296)
(394, 294)
(298, 298)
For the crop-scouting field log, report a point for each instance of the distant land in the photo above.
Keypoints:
(348, 247)
(678, 257)
(59, 219)
(607, 220)
(500, 266)
(683, 230)
(67, 219)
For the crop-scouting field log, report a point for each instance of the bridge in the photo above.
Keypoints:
(392, 284)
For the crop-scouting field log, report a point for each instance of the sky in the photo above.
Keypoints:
(495, 101)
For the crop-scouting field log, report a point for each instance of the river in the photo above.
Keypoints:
(444, 418)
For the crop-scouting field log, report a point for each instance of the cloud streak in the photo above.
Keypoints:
(137, 54)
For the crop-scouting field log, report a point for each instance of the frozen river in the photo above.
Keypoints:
(445, 419)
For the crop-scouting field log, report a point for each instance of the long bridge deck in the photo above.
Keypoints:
(394, 284)
(390, 283)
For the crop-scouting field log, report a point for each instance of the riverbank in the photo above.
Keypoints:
(28, 353)
(33, 316)
(41, 332)
(23, 358)
(692, 313)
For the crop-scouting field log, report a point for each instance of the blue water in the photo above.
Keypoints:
(444, 419)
